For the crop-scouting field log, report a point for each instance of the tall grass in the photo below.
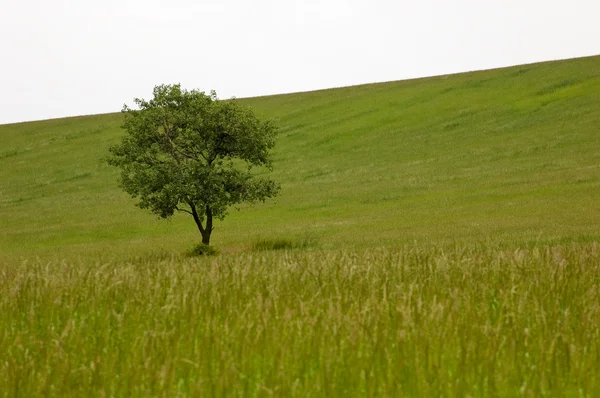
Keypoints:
(408, 321)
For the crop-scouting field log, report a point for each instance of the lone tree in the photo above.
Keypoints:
(190, 152)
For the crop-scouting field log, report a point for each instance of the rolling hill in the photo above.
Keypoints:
(509, 155)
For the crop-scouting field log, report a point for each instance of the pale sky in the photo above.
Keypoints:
(73, 57)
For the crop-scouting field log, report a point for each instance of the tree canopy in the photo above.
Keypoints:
(189, 151)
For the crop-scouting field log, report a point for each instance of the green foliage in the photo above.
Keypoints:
(183, 152)
(202, 250)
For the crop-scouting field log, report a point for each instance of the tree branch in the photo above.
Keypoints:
(196, 218)
(184, 211)
(174, 148)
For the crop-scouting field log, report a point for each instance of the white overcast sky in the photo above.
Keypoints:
(73, 57)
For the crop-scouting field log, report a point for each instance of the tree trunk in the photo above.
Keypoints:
(205, 232)
(205, 237)
(208, 229)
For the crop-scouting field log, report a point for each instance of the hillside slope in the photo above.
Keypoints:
(509, 155)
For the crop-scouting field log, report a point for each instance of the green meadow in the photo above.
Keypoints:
(433, 237)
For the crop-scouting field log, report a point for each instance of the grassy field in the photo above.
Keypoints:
(375, 322)
(509, 155)
(439, 237)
